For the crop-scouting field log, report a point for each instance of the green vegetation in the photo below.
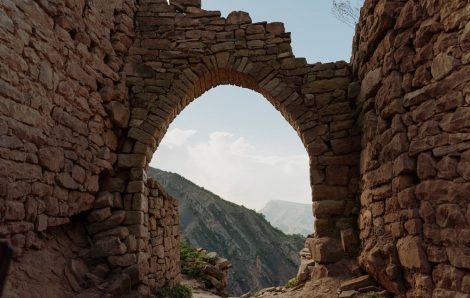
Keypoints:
(178, 291)
(262, 256)
(292, 283)
(192, 260)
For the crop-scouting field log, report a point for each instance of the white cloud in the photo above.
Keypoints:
(177, 137)
(234, 169)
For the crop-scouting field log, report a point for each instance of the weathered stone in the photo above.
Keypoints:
(136, 187)
(65, 180)
(52, 158)
(326, 208)
(121, 232)
(356, 283)
(116, 219)
(107, 247)
(324, 192)
(104, 199)
(411, 253)
(134, 218)
(442, 65)
(99, 215)
(325, 250)
(14, 210)
(141, 136)
(238, 17)
(46, 75)
(450, 215)
(132, 160)
(370, 84)
(426, 166)
(275, 27)
(456, 121)
(123, 261)
(118, 113)
(459, 256)
(349, 240)
(140, 202)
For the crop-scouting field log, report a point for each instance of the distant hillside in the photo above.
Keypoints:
(261, 255)
(289, 217)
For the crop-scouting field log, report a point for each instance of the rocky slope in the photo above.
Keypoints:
(289, 217)
(261, 255)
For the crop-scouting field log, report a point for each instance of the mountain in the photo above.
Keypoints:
(289, 217)
(262, 256)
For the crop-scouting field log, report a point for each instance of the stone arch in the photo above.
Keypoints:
(179, 52)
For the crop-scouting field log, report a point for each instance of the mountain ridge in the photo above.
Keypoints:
(289, 217)
(261, 255)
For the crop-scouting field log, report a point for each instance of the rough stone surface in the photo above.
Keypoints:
(412, 71)
(87, 91)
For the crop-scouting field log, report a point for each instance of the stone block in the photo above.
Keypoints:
(356, 283)
(134, 218)
(132, 160)
(325, 250)
(275, 27)
(66, 181)
(411, 253)
(14, 210)
(104, 199)
(326, 208)
(121, 232)
(115, 220)
(450, 216)
(186, 3)
(140, 202)
(442, 65)
(123, 260)
(109, 246)
(136, 187)
(51, 158)
(238, 18)
(118, 113)
(349, 240)
(99, 215)
(370, 84)
(459, 256)
(326, 192)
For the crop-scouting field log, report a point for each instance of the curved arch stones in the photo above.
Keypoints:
(180, 51)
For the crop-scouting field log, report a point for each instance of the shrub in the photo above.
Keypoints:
(178, 291)
(192, 261)
(292, 283)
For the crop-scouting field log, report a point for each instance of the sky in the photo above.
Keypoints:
(230, 140)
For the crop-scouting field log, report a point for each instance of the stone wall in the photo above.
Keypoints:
(181, 51)
(412, 59)
(60, 83)
(88, 89)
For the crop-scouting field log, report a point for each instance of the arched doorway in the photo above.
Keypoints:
(231, 145)
(167, 71)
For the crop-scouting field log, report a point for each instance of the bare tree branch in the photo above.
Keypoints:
(346, 12)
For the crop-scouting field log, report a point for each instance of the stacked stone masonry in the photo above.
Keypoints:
(411, 59)
(88, 89)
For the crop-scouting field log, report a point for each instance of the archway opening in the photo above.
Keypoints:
(231, 145)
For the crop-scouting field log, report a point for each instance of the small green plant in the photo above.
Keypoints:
(292, 283)
(178, 291)
(371, 295)
(192, 261)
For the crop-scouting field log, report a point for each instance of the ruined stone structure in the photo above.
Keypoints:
(412, 59)
(88, 89)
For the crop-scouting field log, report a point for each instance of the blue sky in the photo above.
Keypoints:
(231, 140)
